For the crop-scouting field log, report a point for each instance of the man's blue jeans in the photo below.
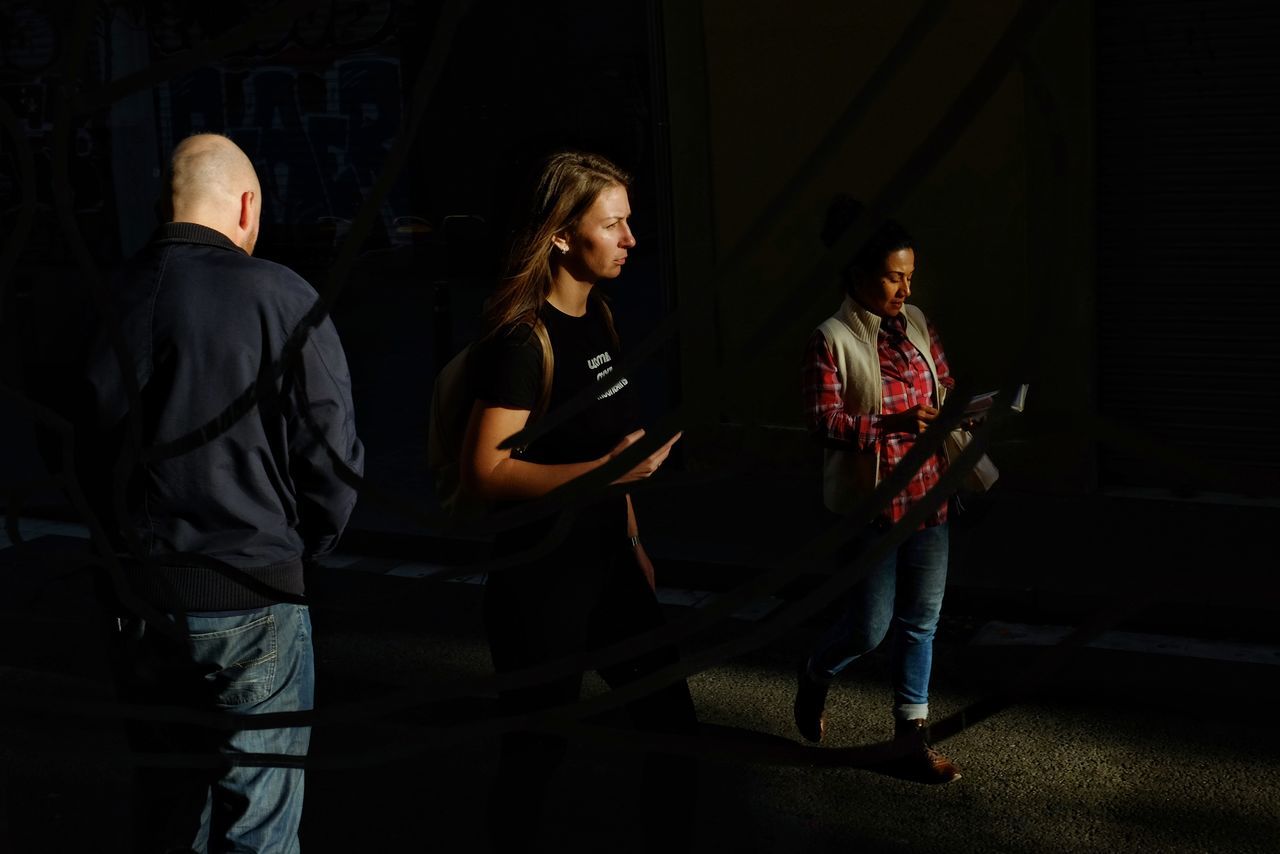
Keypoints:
(243, 664)
(901, 593)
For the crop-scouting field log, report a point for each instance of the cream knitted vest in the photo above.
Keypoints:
(849, 476)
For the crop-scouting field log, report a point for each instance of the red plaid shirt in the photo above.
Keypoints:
(905, 382)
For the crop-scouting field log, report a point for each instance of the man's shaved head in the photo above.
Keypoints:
(208, 178)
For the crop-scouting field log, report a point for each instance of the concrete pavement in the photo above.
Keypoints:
(1118, 750)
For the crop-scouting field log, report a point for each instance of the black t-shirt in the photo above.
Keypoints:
(506, 370)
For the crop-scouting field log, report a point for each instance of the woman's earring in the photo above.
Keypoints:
(563, 249)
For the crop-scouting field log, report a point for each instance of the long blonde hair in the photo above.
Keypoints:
(567, 186)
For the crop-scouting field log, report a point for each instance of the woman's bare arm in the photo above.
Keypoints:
(493, 473)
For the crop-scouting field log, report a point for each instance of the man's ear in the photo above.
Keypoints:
(247, 199)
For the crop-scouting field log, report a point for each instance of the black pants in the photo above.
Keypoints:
(589, 594)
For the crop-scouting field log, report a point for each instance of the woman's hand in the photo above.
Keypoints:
(913, 420)
(649, 464)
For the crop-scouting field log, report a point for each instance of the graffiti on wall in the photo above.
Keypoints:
(317, 138)
(316, 106)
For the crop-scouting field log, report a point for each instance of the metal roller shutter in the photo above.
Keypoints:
(1188, 241)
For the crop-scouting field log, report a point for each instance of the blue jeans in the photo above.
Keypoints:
(243, 664)
(902, 592)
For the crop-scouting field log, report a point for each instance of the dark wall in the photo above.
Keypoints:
(1011, 137)
(972, 123)
(318, 101)
(1188, 256)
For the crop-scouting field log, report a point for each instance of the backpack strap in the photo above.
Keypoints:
(548, 373)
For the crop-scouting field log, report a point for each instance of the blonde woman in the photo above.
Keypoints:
(550, 334)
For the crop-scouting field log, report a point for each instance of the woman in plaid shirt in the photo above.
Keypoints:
(872, 379)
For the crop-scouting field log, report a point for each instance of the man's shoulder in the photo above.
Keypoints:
(255, 281)
(260, 269)
(286, 284)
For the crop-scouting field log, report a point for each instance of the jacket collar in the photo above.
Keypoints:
(864, 325)
(190, 232)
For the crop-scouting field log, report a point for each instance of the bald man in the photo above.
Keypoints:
(212, 182)
(233, 485)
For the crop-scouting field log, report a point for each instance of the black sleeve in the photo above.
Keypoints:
(506, 369)
(324, 423)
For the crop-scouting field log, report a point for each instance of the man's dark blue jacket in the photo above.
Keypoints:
(227, 453)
